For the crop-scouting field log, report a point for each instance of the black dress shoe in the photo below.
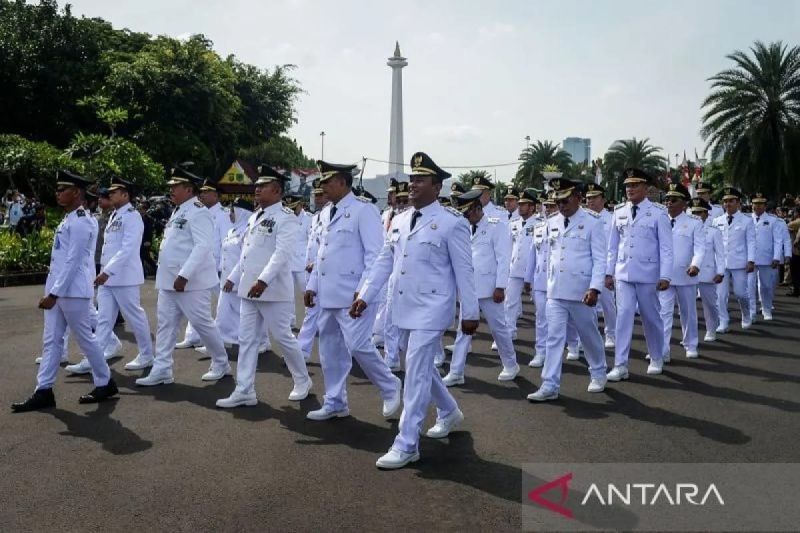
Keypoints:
(100, 394)
(40, 399)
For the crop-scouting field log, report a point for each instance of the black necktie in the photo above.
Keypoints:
(333, 211)
(672, 222)
(509, 216)
(758, 219)
(175, 210)
(414, 218)
(633, 211)
(474, 228)
(730, 219)
(260, 212)
(566, 222)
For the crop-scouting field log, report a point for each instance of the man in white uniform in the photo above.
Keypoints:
(595, 200)
(68, 290)
(704, 190)
(186, 272)
(712, 271)
(310, 326)
(263, 281)
(739, 241)
(522, 230)
(769, 256)
(511, 202)
(295, 202)
(350, 240)
(428, 256)
(688, 249)
(491, 255)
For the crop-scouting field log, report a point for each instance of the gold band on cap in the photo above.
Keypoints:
(592, 194)
(730, 197)
(758, 201)
(66, 183)
(698, 208)
(634, 180)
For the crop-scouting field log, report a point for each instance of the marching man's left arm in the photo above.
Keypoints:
(599, 257)
(777, 243)
(371, 231)
(699, 240)
(502, 251)
(80, 234)
(666, 252)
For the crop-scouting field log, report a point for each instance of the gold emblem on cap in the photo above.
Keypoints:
(630, 173)
(454, 187)
(417, 160)
(673, 186)
(476, 181)
(556, 184)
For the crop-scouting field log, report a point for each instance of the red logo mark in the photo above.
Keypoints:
(536, 495)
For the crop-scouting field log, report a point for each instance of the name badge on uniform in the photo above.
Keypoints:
(179, 222)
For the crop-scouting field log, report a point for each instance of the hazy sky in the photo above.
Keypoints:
(482, 75)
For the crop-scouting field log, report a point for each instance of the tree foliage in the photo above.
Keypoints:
(633, 152)
(533, 160)
(30, 165)
(752, 117)
(280, 151)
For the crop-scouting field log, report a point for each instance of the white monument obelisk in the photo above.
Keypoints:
(396, 158)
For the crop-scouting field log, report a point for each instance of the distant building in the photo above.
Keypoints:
(579, 149)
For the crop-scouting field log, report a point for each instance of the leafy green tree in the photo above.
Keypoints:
(278, 151)
(535, 158)
(31, 166)
(633, 152)
(752, 117)
(468, 178)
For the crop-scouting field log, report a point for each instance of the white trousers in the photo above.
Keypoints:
(708, 295)
(300, 280)
(72, 313)
(125, 300)
(513, 304)
(341, 339)
(763, 281)
(645, 296)
(191, 335)
(559, 314)
(422, 384)
(275, 317)
(738, 277)
(495, 316)
(228, 319)
(687, 308)
(540, 301)
(609, 308)
(309, 329)
(196, 307)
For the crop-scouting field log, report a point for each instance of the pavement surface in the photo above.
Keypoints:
(165, 458)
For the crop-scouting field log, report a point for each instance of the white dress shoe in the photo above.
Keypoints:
(596, 385)
(647, 356)
(537, 361)
(573, 356)
(445, 425)
(325, 413)
(451, 379)
(82, 367)
(655, 367)
(264, 349)
(768, 315)
(508, 374)
(184, 344)
(723, 328)
(450, 347)
(391, 406)
(300, 392)
(609, 342)
(710, 336)
(64, 359)
(237, 399)
(162, 378)
(395, 459)
(692, 354)
(494, 346)
(747, 324)
(618, 373)
(139, 363)
(215, 374)
(113, 351)
(377, 340)
(201, 349)
(543, 395)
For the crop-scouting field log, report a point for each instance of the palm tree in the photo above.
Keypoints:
(633, 152)
(533, 160)
(467, 178)
(752, 117)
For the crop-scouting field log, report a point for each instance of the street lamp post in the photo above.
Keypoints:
(322, 143)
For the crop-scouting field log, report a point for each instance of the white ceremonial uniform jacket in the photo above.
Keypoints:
(640, 249)
(231, 252)
(769, 239)
(187, 249)
(539, 256)
(714, 257)
(222, 223)
(303, 221)
(491, 256)
(738, 239)
(716, 210)
(577, 255)
(121, 243)
(349, 244)
(688, 248)
(267, 251)
(493, 210)
(521, 242)
(313, 238)
(786, 238)
(72, 257)
(428, 266)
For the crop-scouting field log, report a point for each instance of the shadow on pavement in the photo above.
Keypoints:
(98, 426)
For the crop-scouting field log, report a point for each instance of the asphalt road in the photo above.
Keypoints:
(165, 458)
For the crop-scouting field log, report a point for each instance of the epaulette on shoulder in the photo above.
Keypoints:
(619, 206)
(198, 204)
(551, 215)
(80, 212)
(492, 220)
(131, 208)
(694, 217)
(660, 206)
(363, 200)
(592, 213)
(453, 211)
(287, 210)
